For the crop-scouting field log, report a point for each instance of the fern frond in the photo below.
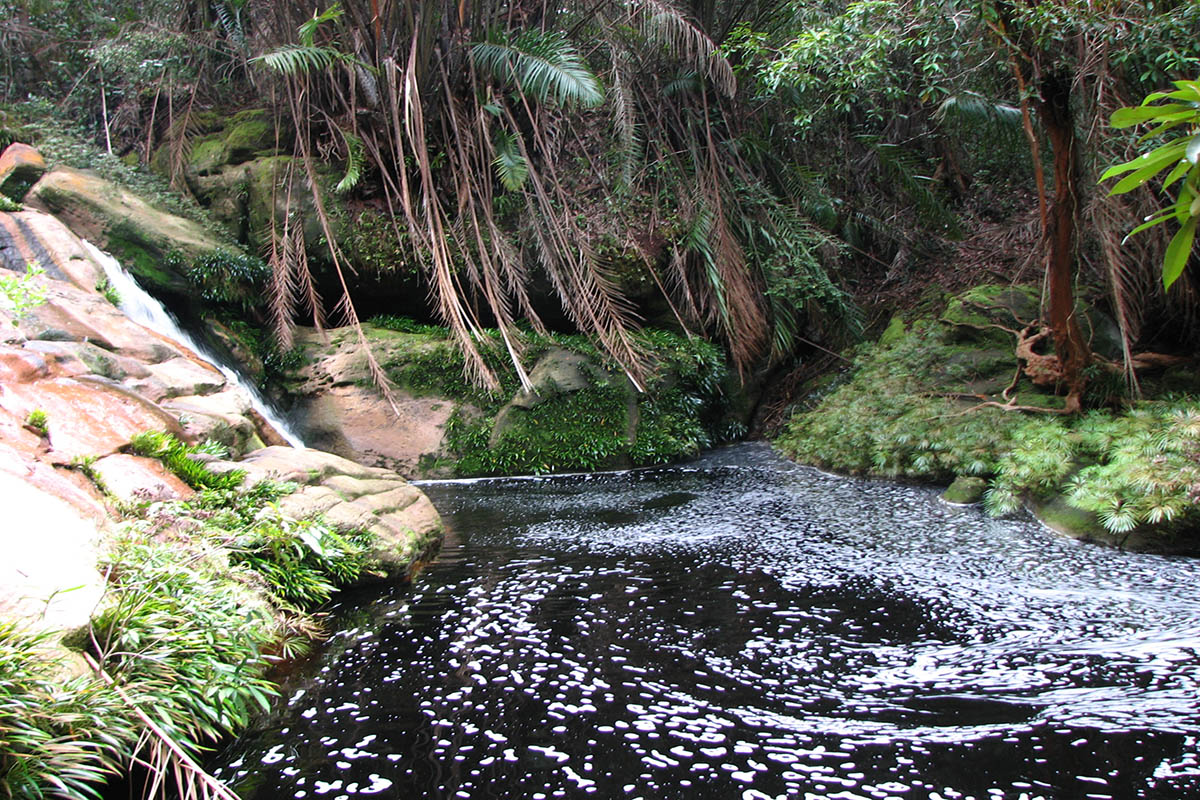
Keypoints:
(543, 65)
(511, 167)
(354, 162)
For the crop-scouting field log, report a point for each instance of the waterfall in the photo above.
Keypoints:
(143, 308)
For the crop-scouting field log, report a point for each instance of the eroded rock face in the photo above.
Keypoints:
(115, 219)
(350, 495)
(340, 410)
(78, 379)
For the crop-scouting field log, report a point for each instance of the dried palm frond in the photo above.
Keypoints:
(662, 21)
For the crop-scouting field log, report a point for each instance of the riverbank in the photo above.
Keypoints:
(940, 398)
(163, 549)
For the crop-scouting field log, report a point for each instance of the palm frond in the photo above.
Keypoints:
(542, 65)
(663, 22)
(511, 167)
(354, 162)
(299, 59)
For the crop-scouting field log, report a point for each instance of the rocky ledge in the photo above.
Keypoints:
(79, 380)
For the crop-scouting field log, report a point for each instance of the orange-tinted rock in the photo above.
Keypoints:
(20, 168)
(21, 366)
(30, 237)
(132, 479)
(86, 417)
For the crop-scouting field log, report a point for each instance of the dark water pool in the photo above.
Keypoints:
(744, 628)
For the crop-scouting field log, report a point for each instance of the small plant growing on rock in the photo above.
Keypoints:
(22, 294)
(38, 421)
(109, 291)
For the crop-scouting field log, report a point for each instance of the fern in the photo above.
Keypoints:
(543, 65)
(354, 162)
(511, 167)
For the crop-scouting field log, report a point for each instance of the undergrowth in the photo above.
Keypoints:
(902, 413)
(203, 596)
(603, 425)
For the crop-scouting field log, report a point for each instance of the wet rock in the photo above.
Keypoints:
(132, 479)
(20, 168)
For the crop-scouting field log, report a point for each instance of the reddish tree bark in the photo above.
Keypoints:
(1070, 347)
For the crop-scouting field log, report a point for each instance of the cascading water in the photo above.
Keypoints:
(143, 308)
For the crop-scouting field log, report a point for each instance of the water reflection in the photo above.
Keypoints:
(744, 628)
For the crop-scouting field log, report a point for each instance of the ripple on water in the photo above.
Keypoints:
(742, 627)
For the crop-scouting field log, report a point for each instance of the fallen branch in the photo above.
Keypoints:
(166, 755)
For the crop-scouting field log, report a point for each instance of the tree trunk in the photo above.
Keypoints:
(1059, 238)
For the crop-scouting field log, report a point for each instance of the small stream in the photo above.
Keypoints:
(145, 309)
(741, 627)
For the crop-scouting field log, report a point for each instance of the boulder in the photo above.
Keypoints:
(966, 490)
(350, 495)
(20, 168)
(124, 224)
(339, 410)
(132, 479)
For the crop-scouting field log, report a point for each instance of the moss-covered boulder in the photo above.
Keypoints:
(124, 224)
(580, 413)
(966, 490)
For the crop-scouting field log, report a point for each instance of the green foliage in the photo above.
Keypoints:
(543, 65)
(181, 637)
(61, 738)
(511, 167)
(39, 420)
(304, 561)
(21, 294)
(109, 291)
(354, 163)
(1179, 158)
(409, 325)
(892, 418)
(582, 430)
(225, 278)
(8, 204)
(177, 457)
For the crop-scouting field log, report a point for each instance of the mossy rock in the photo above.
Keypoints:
(967, 490)
(974, 314)
(894, 332)
(208, 156)
(248, 133)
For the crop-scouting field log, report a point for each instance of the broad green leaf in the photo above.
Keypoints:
(1157, 218)
(1151, 165)
(1180, 170)
(1178, 252)
(1125, 117)
(1192, 153)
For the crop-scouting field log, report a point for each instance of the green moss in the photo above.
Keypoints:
(208, 155)
(893, 333)
(249, 132)
(900, 414)
(966, 490)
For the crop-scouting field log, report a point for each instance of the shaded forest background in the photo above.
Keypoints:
(774, 177)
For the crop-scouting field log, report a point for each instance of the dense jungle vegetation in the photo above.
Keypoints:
(780, 179)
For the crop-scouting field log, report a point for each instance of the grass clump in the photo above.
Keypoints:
(61, 738)
(908, 409)
(39, 421)
(177, 457)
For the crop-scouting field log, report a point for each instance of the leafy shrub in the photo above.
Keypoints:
(39, 420)
(177, 458)
(304, 561)
(224, 278)
(21, 294)
(60, 738)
